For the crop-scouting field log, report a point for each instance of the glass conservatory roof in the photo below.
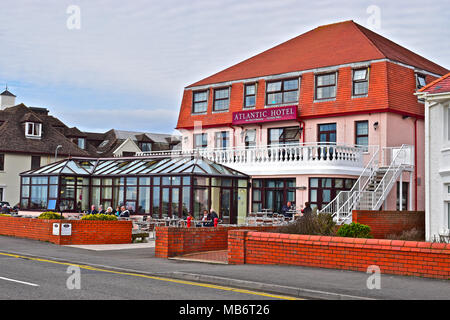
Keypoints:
(182, 165)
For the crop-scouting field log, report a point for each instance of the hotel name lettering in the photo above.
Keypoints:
(265, 115)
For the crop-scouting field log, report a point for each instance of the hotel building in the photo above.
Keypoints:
(329, 117)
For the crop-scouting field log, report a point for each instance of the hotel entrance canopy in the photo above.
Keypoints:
(158, 185)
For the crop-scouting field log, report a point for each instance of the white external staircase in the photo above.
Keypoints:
(374, 184)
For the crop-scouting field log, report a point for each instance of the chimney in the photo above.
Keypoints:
(7, 99)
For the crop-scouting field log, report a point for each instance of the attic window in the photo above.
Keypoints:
(33, 129)
(82, 143)
(145, 146)
(360, 82)
(103, 144)
(420, 81)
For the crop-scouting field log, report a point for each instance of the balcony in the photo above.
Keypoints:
(288, 159)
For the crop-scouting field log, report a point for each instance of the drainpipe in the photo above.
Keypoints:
(303, 129)
(415, 164)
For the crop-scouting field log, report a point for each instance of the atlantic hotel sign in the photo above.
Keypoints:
(265, 115)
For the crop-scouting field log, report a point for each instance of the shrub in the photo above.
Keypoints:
(408, 235)
(354, 230)
(4, 215)
(49, 215)
(100, 216)
(313, 224)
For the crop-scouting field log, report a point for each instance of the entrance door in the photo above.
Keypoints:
(225, 205)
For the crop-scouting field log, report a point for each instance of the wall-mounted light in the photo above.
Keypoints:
(375, 125)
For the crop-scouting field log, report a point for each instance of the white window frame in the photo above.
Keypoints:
(447, 124)
(33, 126)
(83, 146)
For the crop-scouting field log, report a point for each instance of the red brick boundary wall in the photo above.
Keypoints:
(83, 231)
(384, 223)
(411, 258)
(172, 241)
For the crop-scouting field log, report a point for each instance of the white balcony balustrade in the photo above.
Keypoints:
(311, 158)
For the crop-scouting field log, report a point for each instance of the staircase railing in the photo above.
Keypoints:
(342, 206)
(391, 175)
(358, 198)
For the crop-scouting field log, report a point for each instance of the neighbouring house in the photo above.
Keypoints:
(31, 138)
(437, 157)
(120, 143)
(328, 117)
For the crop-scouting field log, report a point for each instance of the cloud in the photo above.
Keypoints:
(152, 49)
(95, 120)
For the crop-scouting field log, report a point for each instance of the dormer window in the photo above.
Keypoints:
(145, 146)
(82, 143)
(33, 129)
(420, 81)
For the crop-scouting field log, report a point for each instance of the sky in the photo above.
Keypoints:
(108, 64)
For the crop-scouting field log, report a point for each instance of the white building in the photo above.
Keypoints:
(437, 158)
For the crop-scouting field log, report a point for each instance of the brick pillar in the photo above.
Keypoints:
(162, 242)
(236, 246)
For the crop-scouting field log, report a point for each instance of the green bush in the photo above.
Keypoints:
(99, 216)
(314, 224)
(354, 230)
(4, 215)
(49, 215)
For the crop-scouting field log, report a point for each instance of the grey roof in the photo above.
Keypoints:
(155, 137)
(7, 93)
(145, 166)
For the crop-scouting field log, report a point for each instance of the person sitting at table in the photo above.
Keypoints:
(206, 219)
(286, 208)
(213, 215)
(5, 209)
(117, 213)
(124, 213)
(109, 211)
(100, 209)
(93, 210)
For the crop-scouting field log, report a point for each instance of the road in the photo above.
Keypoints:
(36, 279)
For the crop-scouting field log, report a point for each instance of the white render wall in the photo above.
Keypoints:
(15, 164)
(437, 165)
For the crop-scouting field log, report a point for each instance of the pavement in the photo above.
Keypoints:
(303, 282)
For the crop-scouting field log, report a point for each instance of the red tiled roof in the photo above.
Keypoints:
(440, 85)
(328, 45)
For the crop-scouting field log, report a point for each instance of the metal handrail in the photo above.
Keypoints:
(393, 178)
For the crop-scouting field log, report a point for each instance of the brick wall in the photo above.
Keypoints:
(384, 223)
(412, 258)
(171, 241)
(83, 231)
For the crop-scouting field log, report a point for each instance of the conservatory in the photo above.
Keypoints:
(159, 186)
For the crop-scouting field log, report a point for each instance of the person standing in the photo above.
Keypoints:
(307, 211)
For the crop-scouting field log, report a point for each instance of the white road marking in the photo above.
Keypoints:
(22, 282)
